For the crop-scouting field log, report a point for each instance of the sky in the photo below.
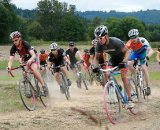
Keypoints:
(98, 5)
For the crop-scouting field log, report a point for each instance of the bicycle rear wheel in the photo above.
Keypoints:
(65, 86)
(111, 102)
(135, 97)
(27, 94)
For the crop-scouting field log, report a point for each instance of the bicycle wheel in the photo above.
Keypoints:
(111, 102)
(27, 94)
(43, 98)
(141, 86)
(84, 81)
(135, 97)
(65, 86)
(102, 79)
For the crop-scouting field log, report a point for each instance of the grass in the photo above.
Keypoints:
(4, 64)
(9, 98)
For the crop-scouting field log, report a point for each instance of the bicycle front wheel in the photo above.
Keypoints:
(65, 86)
(111, 102)
(135, 96)
(27, 94)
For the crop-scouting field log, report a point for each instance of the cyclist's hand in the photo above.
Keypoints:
(29, 62)
(96, 70)
(147, 57)
(8, 69)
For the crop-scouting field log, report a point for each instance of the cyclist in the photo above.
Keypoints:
(27, 56)
(86, 59)
(102, 59)
(119, 55)
(140, 48)
(43, 59)
(71, 53)
(56, 58)
(158, 55)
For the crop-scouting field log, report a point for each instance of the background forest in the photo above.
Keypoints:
(56, 21)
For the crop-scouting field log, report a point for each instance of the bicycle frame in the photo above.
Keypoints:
(114, 97)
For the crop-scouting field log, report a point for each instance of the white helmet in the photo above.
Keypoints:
(15, 34)
(133, 33)
(53, 46)
(100, 31)
(94, 42)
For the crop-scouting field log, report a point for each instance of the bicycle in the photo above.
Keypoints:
(29, 89)
(113, 97)
(80, 75)
(139, 79)
(64, 82)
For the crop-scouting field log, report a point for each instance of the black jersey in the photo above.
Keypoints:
(22, 50)
(59, 60)
(72, 55)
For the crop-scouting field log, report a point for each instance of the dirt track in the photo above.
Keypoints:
(59, 116)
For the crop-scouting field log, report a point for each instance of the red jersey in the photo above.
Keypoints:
(43, 57)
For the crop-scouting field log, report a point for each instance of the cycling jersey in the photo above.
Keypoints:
(138, 50)
(114, 49)
(138, 47)
(43, 58)
(86, 58)
(72, 55)
(57, 60)
(23, 51)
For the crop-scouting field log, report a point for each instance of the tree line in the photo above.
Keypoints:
(57, 21)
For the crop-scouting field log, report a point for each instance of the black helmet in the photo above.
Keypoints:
(100, 31)
(42, 51)
(71, 43)
(86, 50)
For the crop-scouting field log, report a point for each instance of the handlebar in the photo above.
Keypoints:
(109, 70)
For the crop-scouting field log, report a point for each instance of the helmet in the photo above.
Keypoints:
(15, 34)
(42, 51)
(86, 50)
(133, 33)
(53, 46)
(71, 43)
(94, 42)
(100, 31)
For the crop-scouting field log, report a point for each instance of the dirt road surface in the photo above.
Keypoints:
(59, 116)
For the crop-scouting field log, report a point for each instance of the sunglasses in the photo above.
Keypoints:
(53, 49)
(15, 40)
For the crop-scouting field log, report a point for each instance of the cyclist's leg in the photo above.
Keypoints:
(145, 71)
(37, 73)
(131, 62)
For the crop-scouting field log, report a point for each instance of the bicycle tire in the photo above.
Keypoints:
(65, 87)
(27, 94)
(135, 97)
(141, 87)
(111, 99)
(84, 81)
(43, 98)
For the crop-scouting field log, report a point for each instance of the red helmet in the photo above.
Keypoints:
(15, 34)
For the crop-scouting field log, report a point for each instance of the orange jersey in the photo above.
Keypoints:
(43, 57)
(134, 46)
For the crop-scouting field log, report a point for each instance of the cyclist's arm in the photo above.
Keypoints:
(11, 58)
(149, 51)
(66, 59)
(79, 54)
(96, 59)
(127, 54)
(92, 59)
(33, 55)
(158, 56)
